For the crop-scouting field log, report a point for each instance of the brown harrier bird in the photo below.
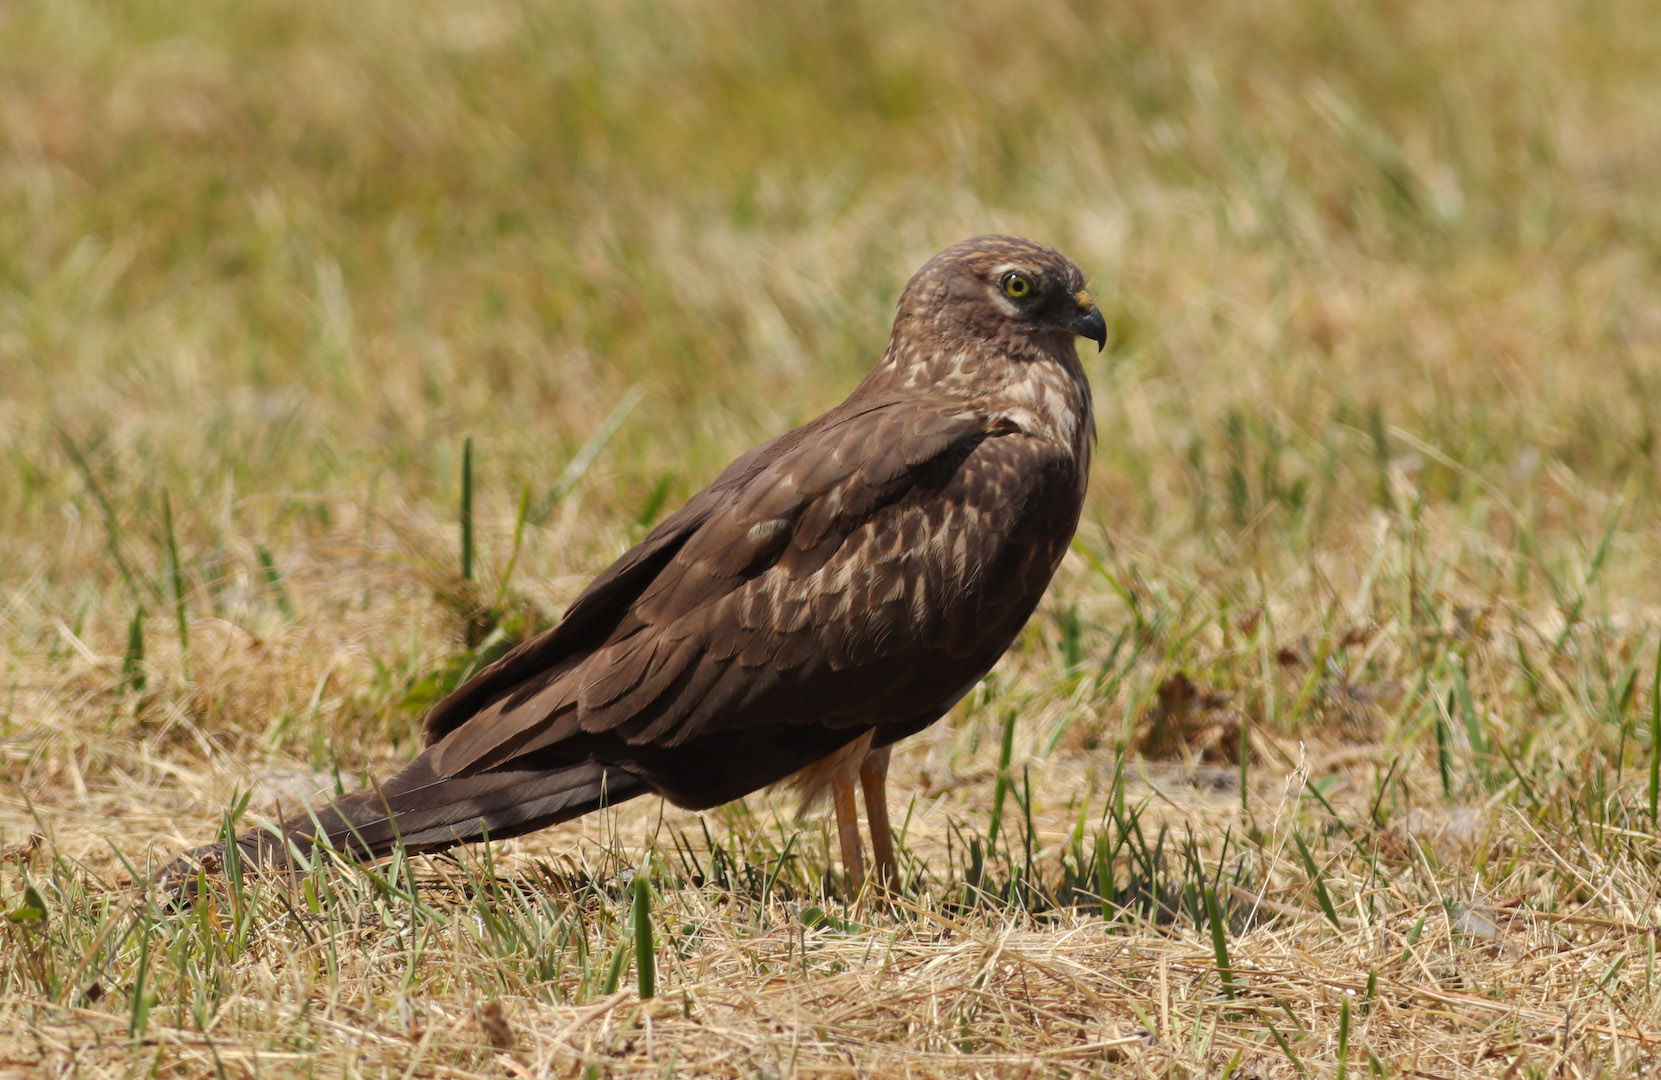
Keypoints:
(832, 592)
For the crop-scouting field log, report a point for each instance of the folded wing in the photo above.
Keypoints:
(858, 573)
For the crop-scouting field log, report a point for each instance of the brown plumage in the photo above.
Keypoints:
(833, 591)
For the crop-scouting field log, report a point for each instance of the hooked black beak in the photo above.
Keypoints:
(1088, 322)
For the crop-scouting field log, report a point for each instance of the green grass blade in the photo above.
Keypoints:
(614, 973)
(1444, 751)
(1285, 1047)
(1468, 713)
(1655, 742)
(1000, 787)
(1343, 1039)
(579, 465)
(1381, 457)
(518, 543)
(645, 953)
(1318, 881)
(467, 509)
(1219, 940)
(144, 995)
(112, 531)
(176, 576)
(132, 662)
(274, 582)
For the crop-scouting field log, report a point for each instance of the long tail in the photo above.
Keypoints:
(424, 813)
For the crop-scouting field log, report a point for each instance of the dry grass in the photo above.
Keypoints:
(1377, 476)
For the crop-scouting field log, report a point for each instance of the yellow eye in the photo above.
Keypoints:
(1017, 285)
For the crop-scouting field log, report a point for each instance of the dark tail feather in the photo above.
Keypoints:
(424, 813)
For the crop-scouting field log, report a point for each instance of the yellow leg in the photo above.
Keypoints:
(873, 777)
(847, 829)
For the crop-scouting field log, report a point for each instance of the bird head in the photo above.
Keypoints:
(1001, 290)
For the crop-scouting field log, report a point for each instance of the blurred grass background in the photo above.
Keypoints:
(1378, 415)
(254, 249)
